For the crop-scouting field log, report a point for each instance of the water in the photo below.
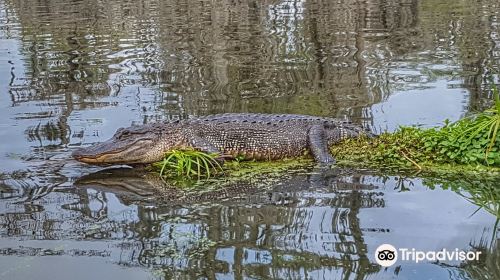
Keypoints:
(72, 72)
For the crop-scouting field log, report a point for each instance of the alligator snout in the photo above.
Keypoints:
(78, 153)
(83, 155)
(114, 152)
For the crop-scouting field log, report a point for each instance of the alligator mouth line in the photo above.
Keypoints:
(87, 159)
(98, 157)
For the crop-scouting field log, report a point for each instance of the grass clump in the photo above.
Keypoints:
(189, 163)
(191, 169)
(411, 147)
(472, 141)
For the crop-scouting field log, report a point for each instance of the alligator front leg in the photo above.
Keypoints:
(318, 144)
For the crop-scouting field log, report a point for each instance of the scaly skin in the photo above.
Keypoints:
(253, 136)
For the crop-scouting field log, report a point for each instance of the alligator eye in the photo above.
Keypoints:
(122, 134)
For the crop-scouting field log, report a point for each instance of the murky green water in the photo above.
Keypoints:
(72, 72)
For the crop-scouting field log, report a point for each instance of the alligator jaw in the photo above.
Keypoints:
(109, 152)
(87, 159)
(84, 156)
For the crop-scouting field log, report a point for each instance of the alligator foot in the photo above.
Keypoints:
(318, 146)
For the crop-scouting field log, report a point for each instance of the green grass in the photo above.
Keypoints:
(487, 123)
(194, 170)
(415, 148)
(189, 163)
(471, 143)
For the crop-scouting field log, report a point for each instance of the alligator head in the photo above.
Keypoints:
(133, 145)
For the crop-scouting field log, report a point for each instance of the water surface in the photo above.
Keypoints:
(72, 72)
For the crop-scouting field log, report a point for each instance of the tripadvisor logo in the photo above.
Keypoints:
(387, 255)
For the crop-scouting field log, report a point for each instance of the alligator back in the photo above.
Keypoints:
(266, 136)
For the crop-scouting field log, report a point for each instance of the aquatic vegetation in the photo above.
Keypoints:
(473, 141)
(176, 171)
(191, 169)
(188, 163)
(411, 147)
(487, 123)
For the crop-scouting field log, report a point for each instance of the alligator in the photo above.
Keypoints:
(244, 135)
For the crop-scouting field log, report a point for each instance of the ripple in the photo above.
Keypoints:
(70, 75)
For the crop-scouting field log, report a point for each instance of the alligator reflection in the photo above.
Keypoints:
(307, 224)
